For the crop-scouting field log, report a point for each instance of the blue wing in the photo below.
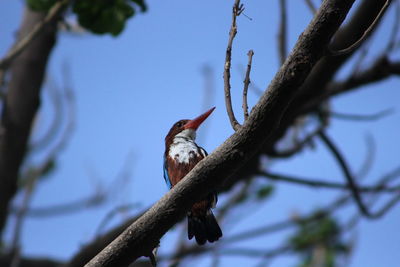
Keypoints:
(166, 176)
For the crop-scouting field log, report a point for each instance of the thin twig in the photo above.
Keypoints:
(297, 147)
(236, 11)
(369, 157)
(360, 117)
(282, 34)
(311, 6)
(325, 184)
(55, 126)
(20, 218)
(355, 45)
(16, 49)
(395, 30)
(255, 252)
(355, 190)
(246, 85)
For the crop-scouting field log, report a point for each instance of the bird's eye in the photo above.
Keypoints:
(180, 124)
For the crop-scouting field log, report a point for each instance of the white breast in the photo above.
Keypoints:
(182, 151)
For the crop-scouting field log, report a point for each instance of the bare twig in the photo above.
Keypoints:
(395, 30)
(298, 146)
(324, 184)
(95, 200)
(369, 157)
(360, 117)
(282, 33)
(356, 44)
(20, 218)
(311, 6)
(17, 48)
(110, 215)
(56, 100)
(355, 190)
(255, 252)
(236, 11)
(246, 85)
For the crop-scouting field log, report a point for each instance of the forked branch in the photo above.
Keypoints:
(236, 11)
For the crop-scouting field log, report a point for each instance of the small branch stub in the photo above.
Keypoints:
(246, 85)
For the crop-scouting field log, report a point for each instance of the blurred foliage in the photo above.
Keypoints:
(40, 5)
(98, 16)
(264, 192)
(318, 241)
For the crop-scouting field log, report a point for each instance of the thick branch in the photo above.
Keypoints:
(21, 104)
(144, 234)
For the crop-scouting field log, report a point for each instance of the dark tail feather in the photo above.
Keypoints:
(203, 228)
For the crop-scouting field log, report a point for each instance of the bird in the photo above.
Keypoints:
(181, 155)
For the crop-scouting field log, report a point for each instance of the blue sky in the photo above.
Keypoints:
(130, 90)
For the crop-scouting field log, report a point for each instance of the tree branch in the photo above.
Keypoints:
(362, 117)
(311, 6)
(367, 32)
(17, 48)
(236, 11)
(282, 33)
(144, 234)
(355, 190)
(21, 103)
(324, 184)
(246, 85)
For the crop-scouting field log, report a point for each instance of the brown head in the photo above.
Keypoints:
(189, 125)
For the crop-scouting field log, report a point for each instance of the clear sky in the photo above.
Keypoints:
(130, 90)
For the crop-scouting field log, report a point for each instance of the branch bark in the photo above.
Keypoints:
(144, 234)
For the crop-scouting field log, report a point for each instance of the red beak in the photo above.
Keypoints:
(195, 123)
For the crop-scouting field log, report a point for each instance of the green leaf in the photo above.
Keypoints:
(264, 192)
(105, 16)
(40, 5)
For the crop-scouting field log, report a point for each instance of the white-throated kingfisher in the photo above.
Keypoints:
(181, 155)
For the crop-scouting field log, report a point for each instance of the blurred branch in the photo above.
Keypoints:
(367, 32)
(395, 30)
(246, 85)
(236, 11)
(311, 6)
(91, 249)
(53, 14)
(265, 253)
(95, 200)
(282, 33)
(19, 220)
(57, 98)
(369, 157)
(328, 185)
(380, 69)
(6, 259)
(361, 117)
(355, 190)
(297, 147)
(22, 102)
(111, 214)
